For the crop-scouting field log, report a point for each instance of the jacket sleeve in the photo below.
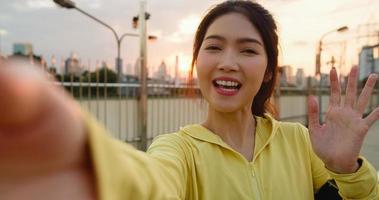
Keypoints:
(170, 156)
(362, 184)
(120, 171)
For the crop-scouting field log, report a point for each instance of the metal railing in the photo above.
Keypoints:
(170, 106)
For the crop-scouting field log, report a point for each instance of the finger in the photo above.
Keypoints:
(19, 94)
(41, 127)
(335, 89)
(364, 97)
(351, 89)
(372, 117)
(313, 113)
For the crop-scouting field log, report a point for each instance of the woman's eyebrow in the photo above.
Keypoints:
(249, 40)
(239, 40)
(216, 37)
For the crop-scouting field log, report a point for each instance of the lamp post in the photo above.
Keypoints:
(142, 108)
(319, 49)
(143, 37)
(318, 63)
(71, 5)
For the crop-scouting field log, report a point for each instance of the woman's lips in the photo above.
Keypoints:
(226, 86)
(225, 91)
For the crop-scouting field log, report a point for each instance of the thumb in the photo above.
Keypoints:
(41, 128)
(20, 94)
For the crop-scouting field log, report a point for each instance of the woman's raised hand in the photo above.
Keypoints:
(338, 141)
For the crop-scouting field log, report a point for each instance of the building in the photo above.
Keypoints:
(368, 61)
(176, 81)
(300, 78)
(324, 80)
(162, 73)
(129, 69)
(286, 78)
(72, 65)
(137, 68)
(25, 49)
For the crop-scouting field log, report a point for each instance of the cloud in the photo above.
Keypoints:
(300, 43)
(186, 29)
(93, 4)
(4, 17)
(28, 5)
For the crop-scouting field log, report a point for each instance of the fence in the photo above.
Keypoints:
(169, 107)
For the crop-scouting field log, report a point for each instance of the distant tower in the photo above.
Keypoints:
(137, 68)
(300, 78)
(129, 68)
(177, 70)
(72, 65)
(53, 61)
(161, 73)
(53, 69)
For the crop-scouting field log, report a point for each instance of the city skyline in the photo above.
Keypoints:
(301, 24)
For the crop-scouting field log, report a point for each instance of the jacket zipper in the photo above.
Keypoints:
(256, 192)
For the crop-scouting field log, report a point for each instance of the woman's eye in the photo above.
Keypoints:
(213, 48)
(249, 51)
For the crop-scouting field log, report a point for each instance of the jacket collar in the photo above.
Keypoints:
(265, 131)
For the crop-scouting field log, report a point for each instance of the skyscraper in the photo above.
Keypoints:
(72, 65)
(25, 49)
(368, 61)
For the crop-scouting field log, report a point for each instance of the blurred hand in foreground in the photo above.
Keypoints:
(43, 149)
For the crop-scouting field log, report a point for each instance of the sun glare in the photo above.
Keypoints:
(184, 64)
(189, 24)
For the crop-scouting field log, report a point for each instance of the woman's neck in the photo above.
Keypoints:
(237, 129)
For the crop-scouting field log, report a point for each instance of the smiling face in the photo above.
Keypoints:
(231, 63)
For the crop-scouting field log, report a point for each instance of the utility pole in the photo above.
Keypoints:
(142, 101)
(318, 65)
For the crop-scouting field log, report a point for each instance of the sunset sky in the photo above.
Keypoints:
(56, 31)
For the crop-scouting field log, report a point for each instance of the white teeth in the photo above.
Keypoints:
(227, 83)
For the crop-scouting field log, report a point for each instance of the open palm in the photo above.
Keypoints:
(338, 141)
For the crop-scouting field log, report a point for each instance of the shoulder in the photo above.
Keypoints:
(177, 141)
(288, 130)
(276, 125)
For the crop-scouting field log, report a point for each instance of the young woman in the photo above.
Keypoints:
(49, 149)
(240, 151)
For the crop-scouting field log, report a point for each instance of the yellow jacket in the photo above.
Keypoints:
(195, 163)
(121, 172)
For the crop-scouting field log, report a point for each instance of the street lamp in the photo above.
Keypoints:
(143, 16)
(318, 63)
(71, 5)
(319, 49)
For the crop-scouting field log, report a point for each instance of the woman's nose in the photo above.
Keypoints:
(228, 61)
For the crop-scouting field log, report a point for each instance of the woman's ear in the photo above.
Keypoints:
(267, 77)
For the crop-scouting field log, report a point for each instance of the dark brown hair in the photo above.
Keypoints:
(264, 22)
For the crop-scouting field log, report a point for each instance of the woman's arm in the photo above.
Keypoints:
(171, 160)
(51, 149)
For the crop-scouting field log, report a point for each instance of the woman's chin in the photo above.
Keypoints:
(227, 108)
